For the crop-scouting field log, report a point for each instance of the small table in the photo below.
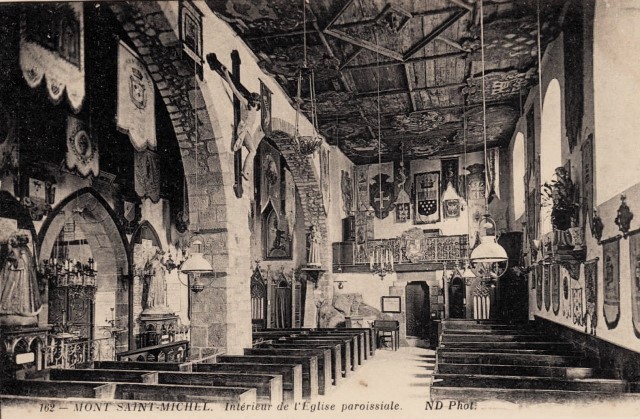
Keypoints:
(387, 332)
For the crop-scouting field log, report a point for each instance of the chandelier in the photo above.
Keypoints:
(194, 266)
(68, 272)
(381, 260)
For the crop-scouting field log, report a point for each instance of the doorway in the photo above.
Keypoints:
(457, 293)
(417, 297)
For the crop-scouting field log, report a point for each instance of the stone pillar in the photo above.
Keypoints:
(398, 289)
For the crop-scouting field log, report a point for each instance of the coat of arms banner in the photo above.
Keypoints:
(611, 265)
(82, 151)
(136, 108)
(427, 192)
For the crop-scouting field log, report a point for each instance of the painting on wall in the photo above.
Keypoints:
(611, 266)
(634, 269)
(591, 294)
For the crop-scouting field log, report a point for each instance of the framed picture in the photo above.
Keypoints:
(391, 305)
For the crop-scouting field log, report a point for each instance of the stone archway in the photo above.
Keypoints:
(209, 187)
(90, 216)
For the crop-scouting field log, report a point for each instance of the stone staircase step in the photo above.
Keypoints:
(516, 370)
(600, 385)
(510, 358)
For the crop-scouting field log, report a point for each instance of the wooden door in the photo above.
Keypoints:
(417, 298)
(457, 293)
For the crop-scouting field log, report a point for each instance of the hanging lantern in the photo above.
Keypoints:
(489, 259)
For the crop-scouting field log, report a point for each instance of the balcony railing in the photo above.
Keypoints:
(61, 353)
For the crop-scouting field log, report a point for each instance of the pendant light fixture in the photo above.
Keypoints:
(489, 258)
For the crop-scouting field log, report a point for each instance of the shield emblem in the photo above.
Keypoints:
(137, 89)
(129, 211)
(381, 195)
(427, 207)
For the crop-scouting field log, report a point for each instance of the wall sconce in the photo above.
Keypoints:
(340, 284)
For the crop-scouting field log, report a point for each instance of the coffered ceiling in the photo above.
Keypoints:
(409, 69)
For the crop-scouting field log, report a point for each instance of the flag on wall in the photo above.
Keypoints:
(611, 258)
(427, 188)
(634, 260)
(493, 174)
(135, 113)
(52, 48)
(289, 199)
(147, 175)
(82, 151)
(362, 188)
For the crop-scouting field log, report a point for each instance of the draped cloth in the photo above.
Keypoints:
(19, 293)
(60, 63)
(82, 151)
(135, 113)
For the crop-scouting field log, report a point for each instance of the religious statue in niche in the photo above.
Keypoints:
(249, 132)
(313, 258)
(156, 295)
(19, 291)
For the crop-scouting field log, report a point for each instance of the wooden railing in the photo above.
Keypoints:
(61, 353)
(169, 352)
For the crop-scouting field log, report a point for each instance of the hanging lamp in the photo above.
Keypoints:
(489, 258)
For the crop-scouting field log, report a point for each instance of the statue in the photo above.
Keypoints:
(249, 131)
(314, 247)
(156, 291)
(19, 293)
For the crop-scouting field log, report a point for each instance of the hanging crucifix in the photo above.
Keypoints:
(246, 119)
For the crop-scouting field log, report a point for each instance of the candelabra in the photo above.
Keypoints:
(381, 261)
(63, 273)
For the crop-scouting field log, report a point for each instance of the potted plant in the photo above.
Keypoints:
(560, 192)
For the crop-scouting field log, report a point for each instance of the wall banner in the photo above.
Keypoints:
(427, 187)
(611, 267)
(591, 294)
(634, 260)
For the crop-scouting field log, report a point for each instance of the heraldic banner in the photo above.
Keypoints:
(135, 113)
(381, 189)
(82, 152)
(57, 57)
(634, 260)
(611, 256)
(427, 187)
(591, 292)
(147, 175)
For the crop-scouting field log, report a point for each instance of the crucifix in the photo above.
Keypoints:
(246, 118)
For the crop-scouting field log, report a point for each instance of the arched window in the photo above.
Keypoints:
(517, 172)
(550, 144)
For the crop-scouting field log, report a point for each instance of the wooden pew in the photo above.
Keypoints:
(309, 367)
(268, 387)
(348, 352)
(145, 366)
(370, 339)
(40, 388)
(291, 375)
(357, 350)
(147, 377)
(336, 353)
(182, 393)
(364, 341)
(324, 361)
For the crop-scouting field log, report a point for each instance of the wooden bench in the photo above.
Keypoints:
(182, 393)
(147, 377)
(348, 352)
(41, 388)
(309, 367)
(291, 375)
(370, 339)
(145, 366)
(336, 354)
(324, 361)
(357, 349)
(268, 387)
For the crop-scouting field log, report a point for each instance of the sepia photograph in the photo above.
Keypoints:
(319, 209)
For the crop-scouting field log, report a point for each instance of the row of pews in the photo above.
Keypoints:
(283, 365)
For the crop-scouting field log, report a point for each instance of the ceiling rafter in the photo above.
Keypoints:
(365, 44)
(410, 88)
(456, 54)
(350, 58)
(415, 89)
(437, 31)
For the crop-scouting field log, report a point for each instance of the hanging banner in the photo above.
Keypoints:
(346, 185)
(52, 48)
(546, 269)
(289, 199)
(634, 260)
(325, 181)
(147, 175)
(493, 174)
(82, 151)
(427, 187)
(555, 288)
(135, 113)
(401, 178)
(449, 168)
(591, 293)
(587, 180)
(611, 266)
(269, 177)
(362, 188)
(475, 199)
(381, 189)
(576, 302)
